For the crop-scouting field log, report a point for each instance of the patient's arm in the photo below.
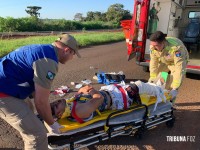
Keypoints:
(85, 90)
(84, 110)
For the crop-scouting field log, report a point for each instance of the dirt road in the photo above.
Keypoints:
(112, 58)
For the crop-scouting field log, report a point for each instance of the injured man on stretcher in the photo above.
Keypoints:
(89, 101)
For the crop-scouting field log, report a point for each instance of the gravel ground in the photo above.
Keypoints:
(112, 58)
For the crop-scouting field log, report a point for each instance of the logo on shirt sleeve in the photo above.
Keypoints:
(50, 75)
(178, 54)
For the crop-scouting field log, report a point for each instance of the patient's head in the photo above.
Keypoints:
(58, 108)
(132, 91)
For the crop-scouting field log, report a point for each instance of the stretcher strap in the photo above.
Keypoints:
(74, 113)
(2, 95)
(123, 95)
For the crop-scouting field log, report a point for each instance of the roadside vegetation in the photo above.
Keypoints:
(93, 20)
(84, 39)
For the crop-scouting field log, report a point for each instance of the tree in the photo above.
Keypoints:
(116, 13)
(33, 11)
(8, 24)
(78, 17)
(97, 16)
(127, 15)
(90, 16)
(103, 17)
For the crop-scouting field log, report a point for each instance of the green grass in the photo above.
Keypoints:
(84, 39)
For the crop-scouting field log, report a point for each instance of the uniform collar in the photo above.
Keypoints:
(55, 49)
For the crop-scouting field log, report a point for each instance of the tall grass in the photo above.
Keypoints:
(84, 39)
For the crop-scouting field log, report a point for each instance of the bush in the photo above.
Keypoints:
(32, 24)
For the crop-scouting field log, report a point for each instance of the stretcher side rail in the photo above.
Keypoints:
(96, 137)
(128, 109)
(115, 131)
(80, 140)
(110, 129)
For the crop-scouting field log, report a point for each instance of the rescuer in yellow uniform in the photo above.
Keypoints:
(168, 54)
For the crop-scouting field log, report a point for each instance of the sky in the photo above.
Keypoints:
(59, 9)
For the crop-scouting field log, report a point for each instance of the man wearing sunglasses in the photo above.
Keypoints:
(168, 54)
(30, 70)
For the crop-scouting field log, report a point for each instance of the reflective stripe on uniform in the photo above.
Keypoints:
(153, 75)
(176, 83)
